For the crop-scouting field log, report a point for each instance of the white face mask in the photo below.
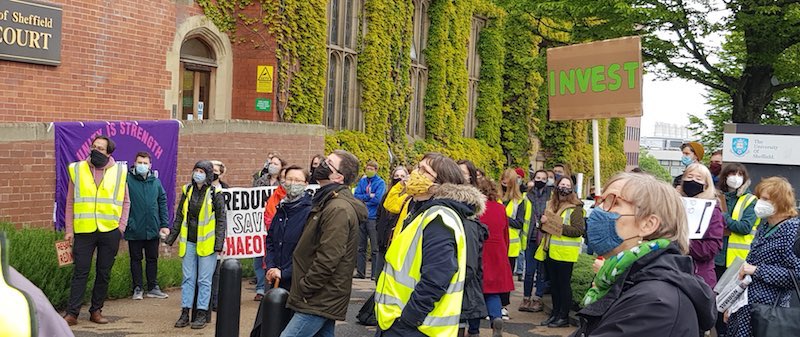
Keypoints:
(735, 181)
(764, 209)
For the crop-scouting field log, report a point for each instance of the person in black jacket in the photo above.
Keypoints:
(646, 286)
(387, 220)
(473, 304)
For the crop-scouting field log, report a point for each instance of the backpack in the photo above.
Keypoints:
(366, 315)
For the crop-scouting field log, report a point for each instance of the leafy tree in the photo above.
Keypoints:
(675, 41)
(648, 163)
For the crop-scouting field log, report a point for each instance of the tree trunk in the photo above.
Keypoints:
(752, 94)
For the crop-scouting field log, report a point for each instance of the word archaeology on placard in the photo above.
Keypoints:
(247, 233)
(698, 216)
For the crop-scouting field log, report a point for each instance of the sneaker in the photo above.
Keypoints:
(157, 293)
(138, 294)
(536, 306)
(504, 311)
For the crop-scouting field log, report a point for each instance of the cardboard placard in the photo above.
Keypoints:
(553, 224)
(595, 80)
(698, 216)
(64, 253)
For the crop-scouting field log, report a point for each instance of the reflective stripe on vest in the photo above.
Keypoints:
(97, 207)
(401, 272)
(561, 248)
(739, 244)
(206, 224)
(17, 314)
(514, 242)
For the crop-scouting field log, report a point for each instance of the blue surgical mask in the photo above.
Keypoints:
(142, 169)
(686, 160)
(199, 177)
(601, 231)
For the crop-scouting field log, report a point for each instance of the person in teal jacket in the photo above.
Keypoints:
(733, 183)
(147, 221)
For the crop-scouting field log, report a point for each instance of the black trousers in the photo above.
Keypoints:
(721, 326)
(107, 245)
(560, 288)
(505, 298)
(150, 248)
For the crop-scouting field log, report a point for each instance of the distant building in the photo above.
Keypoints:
(665, 145)
(632, 142)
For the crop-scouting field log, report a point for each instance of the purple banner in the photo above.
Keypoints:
(73, 141)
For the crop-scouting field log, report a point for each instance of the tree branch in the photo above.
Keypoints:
(784, 86)
(682, 71)
(695, 48)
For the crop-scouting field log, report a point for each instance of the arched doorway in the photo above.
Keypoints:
(198, 75)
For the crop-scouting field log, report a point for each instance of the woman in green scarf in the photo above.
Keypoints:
(646, 286)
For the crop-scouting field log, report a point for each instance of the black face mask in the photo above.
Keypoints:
(692, 188)
(98, 159)
(215, 177)
(539, 184)
(323, 172)
(395, 181)
(563, 191)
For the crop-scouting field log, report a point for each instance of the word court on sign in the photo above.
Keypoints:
(246, 232)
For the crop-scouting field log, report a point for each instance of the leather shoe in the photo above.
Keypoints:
(559, 323)
(98, 318)
(71, 320)
(548, 321)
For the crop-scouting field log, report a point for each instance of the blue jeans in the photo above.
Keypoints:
(305, 325)
(261, 274)
(534, 267)
(521, 263)
(197, 272)
(494, 307)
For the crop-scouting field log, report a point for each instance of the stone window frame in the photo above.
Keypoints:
(474, 71)
(342, 89)
(415, 128)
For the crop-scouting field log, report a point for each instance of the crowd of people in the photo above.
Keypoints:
(444, 242)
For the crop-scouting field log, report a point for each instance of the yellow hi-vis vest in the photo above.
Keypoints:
(518, 240)
(402, 272)
(562, 248)
(739, 244)
(97, 207)
(17, 314)
(206, 224)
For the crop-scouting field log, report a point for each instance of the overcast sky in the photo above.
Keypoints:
(671, 102)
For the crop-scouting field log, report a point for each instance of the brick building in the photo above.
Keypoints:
(137, 60)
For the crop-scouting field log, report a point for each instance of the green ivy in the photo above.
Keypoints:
(492, 52)
(362, 146)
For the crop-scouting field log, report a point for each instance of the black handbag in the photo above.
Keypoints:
(771, 320)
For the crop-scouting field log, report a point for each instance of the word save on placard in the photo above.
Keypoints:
(64, 253)
(698, 216)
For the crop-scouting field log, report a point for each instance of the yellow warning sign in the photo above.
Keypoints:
(264, 79)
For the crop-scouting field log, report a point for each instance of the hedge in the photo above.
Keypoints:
(33, 254)
(582, 277)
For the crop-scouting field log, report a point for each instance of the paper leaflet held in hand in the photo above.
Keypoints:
(730, 288)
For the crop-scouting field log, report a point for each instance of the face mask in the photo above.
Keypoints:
(764, 209)
(142, 169)
(199, 177)
(417, 184)
(98, 159)
(564, 191)
(715, 168)
(323, 172)
(686, 160)
(692, 188)
(294, 190)
(601, 231)
(370, 174)
(274, 170)
(551, 182)
(215, 177)
(519, 181)
(396, 180)
(558, 176)
(734, 181)
(539, 184)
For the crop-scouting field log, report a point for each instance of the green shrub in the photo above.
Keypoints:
(582, 277)
(32, 253)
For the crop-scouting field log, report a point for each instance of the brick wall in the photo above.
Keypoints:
(247, 57)
(27, 185)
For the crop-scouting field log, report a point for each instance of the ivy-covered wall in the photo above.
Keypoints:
(511, 109)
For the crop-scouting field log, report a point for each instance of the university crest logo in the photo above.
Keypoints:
(739, 146)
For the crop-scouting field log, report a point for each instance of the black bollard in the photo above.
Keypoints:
(274, 314)
(230, 298)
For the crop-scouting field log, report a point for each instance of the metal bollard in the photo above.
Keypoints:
(230, 298)
(274, 314)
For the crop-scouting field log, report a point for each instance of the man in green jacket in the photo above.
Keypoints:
(147, 221)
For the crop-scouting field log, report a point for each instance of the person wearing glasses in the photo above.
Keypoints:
(646, 285)
(697, 183)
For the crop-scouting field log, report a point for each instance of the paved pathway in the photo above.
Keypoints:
(155, 317)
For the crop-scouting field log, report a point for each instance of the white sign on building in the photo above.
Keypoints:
(761, 149)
